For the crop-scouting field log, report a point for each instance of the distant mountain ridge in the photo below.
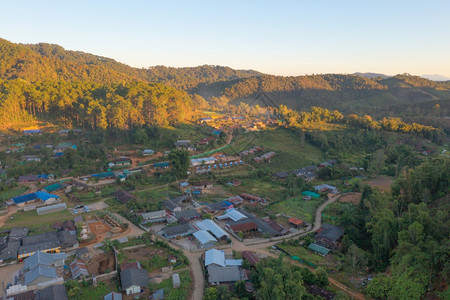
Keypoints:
(435, 77)
(372, 75)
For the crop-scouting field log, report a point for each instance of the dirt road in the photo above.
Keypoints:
(6, 275)
(11, 210)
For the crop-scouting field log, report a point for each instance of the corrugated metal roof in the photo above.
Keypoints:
(40, 270)
(233, 214)
(43, 258)
(214, 256)
(317, 248)
(233, 262)
(212, 227)
(223, 274)
(204, 237)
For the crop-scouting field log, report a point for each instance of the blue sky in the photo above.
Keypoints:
(276, 37)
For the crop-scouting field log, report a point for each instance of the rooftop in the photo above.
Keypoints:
(137, 277)
(209, 225)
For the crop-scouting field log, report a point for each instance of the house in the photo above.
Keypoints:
(205, 120)
(243, 227)
(216, 257)
(250, 257)
(46, 242)
(203, 185)
(154, 217)
(250, 197)
(163, 165)
(232, 214)
(211, 227)
(205, 239)
(326, 188)
(195, 162)
(235, 200)
(82, 253)
(172, 259)
(28, 178)
(78, 268)
(133, 280)
(40, 275)
(45, 259)
(67, 225)
(122, 161)
(185, 216)
(329, 236)
(17, 233)
(214, 207)
(55, 187)
(318, 249)
(176, 282)
(277, 227)
(180, 230)
(54, 292)
(296, 222)
(147, 152)
(113, 296)
(281, 175)
(174, 204)
(130, 265)
(9, 252)
(33, 132)
(227, 274)
(68, 239)
(34, 197)
(123, 196)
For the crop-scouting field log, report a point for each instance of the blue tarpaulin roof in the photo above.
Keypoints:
(33, 196)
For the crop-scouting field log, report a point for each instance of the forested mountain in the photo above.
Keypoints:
(43, 79)
(401, 95)
(43, 61)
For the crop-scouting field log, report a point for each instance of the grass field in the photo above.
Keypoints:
(179, 293)
(304, 254)
(264, 189)
(297, 207)
(290, 153)
(35, 223)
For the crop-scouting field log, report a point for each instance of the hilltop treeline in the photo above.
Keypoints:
(317, 115)
(93, 105)
(43, 61)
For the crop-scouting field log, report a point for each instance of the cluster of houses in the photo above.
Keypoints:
(266, 157)
(227, 218)
(250, 151)
(206, 164)
(18, 245)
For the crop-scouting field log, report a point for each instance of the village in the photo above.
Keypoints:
(162, 239)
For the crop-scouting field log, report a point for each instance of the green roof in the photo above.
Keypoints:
(312, 194)
(319, 249)
(53, 187)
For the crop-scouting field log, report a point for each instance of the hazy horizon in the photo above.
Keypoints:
(287, 38)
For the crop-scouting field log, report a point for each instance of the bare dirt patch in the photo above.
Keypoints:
(143, 253)
(383, 183)
(100, 230)
(100, 263)
(353, 198)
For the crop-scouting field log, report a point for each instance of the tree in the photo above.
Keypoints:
(180, 161)
(321, 277)
(356, 259)
(211, 293)
(380, 287)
